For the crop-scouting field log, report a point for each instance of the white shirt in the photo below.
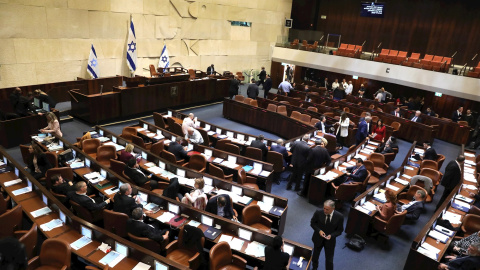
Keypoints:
(344, 127)
(335, 85)
(344, 85)
(195, 138)
(187, 122)
(349, 89)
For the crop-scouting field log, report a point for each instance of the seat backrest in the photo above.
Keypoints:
(402, 54)
(25, 153)
(29, 240)
(415, 56)
(11, 221)
(146, 243)
(170, 122)
(177, 129)
(429, 164)
(389, 157)
(254, 153)
(106, 152)
(55, 253)
(191, 72)
(221, 144)
(414, 188)
(432, 174)
(220, 256)
(369, 165)
(242, 176)
(393, 53)
(284, 102)
(346, 192)
(471, 224)
(384, 51)
(272, 107)
(82, 212)
(295, 115)
(428, 57)
(440, 160)
(463, 123)
(52, 158)
(157, 148)
(206, 139)
(115, 222)
(169, 156)
(65, 172)
(377, 159)
(231, 148)
(216, 171)
(313, 121)
(153, 72)
(351, 47)
(4, 203)
(282, 109)
(197, 162)
(437, 58)
(138, 141)
(239, 98)
(396, 126)
(89, 146)
(158, 120)
(254, 103)
(276, 159)
(251, 214)
(305, 118)
(117, 166)
(343, 46)
(127, 133)
(331, 143)
(395, 222)
(247, 100)
(314, 109)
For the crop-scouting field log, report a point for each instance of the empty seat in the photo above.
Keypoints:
(28, 239)
(157, 148)
(218, 172)
(305, 118)
(392, 54)
(117, 166)
(254, 103)
(221, 257)
(282, 109)
(414, 57)
(379, 164)
(313, 109)
(247, 181)
(196, 162)
(115, 222)
(105, 153)
(139, 141)
(383, 53)
(159, 121)
(427, 59)
(252, 216)
(185, 251)
(247, 100)
(171, 157)
(272, 107)
(232, 148)
(295, 115)
(239, 98)
(11, 221)
(55, 254)
(127, 133)
(90, 146)
(254, 153)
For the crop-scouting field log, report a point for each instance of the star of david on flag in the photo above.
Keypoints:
(132, 48)
(164, 61)
(92, 67)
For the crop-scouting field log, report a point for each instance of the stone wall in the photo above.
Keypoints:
(49, 40)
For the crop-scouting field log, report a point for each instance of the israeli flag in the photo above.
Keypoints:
(132, 48)
(92, 67)
(164, 61)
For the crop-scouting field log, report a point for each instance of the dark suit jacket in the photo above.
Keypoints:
(138, 178)
(252, 91)
(300, 152)
(358, 176)
(399, 114)
(64, 189)
(262, 75)
(234, 85)
(456, 117)
(419, 119)
(87, 202)
(465, 263)
(177, 149)
(267, 85)
(212, 206)
(362, 131)
(414, 211)
(21, 105)
(210, 70)
(124, 204)
(47, 99)
(318, 157)
(430, 154)
(318, 126)
(260, 145)
(42, 163)
(334, 228)
(141, 229)
(452, 175)
(282, 150)
(275, 259)
(431, 113)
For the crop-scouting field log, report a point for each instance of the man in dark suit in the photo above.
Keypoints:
(211, 70)
(470, 261)
(457, 115)
(279, 148)
(252, 90)
(451, 177)
(123, 202)
(327, 226)
(60, 186)
(178, 150)
(300, 152)
(267, 85)
(137, 227)
(415, 207)
(356, 173)
(322, 125)
(221, 205)
(429, 112)
(416, 117)
(261, 77)
(234, 85)
(430, 153)
(317, 158)
(388, 147)
(137, 176)
(21, 105)
(396, 112)
(362, 131)
(80, 197)
(258, 143)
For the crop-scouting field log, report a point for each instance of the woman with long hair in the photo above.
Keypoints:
(379, 131)
(342, 131)
(387, 209)
(53, 125)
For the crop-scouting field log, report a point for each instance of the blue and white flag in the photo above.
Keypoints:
(92, 67)
(164, 61)
(132, 48)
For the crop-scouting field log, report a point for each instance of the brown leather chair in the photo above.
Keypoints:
(254, 103)
(389, 157)
(28, 239)
(252, 216)
(139, 141)
(272, 107)
(313, 109)
(55, 254)
(171, 158)
(83, 213)
(4, 203)
(346, 109)
(247, 181)
(432, 174)
(255, 153)
(185, 255)
(295, 115)
(89, 146)
(117, 166)
(305, 118)
(379, 163)
(396, 126)
(285, 102)
(429, 164)
(197, 162)
(161, 187)
(346, 192)
(221, 257)
(282, 109)
(440, 160)
(206, 138)
(221, 144)
(392, 226)
(52, 158)
(127, 133)
(470, 224)
(247, 100)
(148, 243)
(374, 178)
(26, 155)
(277, 160)
(191, 72)
(170, 122)
(153, 71)
(65, 172)
(363, 186)
(177, 129)
(406, 197)
(62, 198)
(463, 123)
(105, 153)
(314, 121)
(11, 221)
(115, 222)
(157, 148)
(331, 143)
(158, 120)
(232, 148)
(239, 98)
(218, 172)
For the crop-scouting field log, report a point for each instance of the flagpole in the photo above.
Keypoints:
(132, 73)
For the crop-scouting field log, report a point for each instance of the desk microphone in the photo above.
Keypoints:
(101, 89)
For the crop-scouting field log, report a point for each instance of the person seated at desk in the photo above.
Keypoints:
(221, 205)
(211, 70)
(356, 173)
(471, 261)
(193, 136)
(415, 207)
(188, 122)
(457, 115)
(379, 131)
(461, 246)
(279, 148)
(178, 150)
(21, 105)
(38, 163)
(361, 91)
(427, 182)
(126, 154)
(388, 146)
(123, 202)
(80, 197)
(429, 112)
(275, 258)
(53, 125)
(137, 176)
(416, 117)
(137, 227)
(60, 186)
(387, 209)
(44, 98)
(258, 143)
(322, 125)
(397, 112)
(430, 153)
(194, 198)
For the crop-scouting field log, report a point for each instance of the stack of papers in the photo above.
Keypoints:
(159, 137)
(211, 133)
(225, 238)
(380, 197)
(2, 163)
(265, 173)
(94, 177)
(112, 190)
(186, 181)
(470, 162)
(236, 243)
(370, 147)
(363, 210)
(218, 160)
(369, 206)
(469, 154)
(469, 177)
(41, 212)
(155, 170)
(264, 207)
(430, 248)
(194, 223)
(256, 171)
(103, 139)
(166, 217)
(21, 191)
(140, 129)
(51, 225)
(471, 187)
(419, 151)
(366, 151)
(427, 253)
(228, 164)
(149, 164)
(463, 206)
(166, 142)
(77, 164)
(452, 217)
(141, 266)
(328, 176)
(255, 249)
(463, 198)
(409, 168)
(112, 258)
(150, 135)
(54, 147)
(402, 182)
(81, 243)
(469, 170)
(12, 182)
(394, 188)
(444, 230)
(439, 236)
(406, 176)
(374, 143)
(243, 199)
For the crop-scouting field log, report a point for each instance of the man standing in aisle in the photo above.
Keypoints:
(451, 178)
(261, 77)
(267, 85)
(252, 90)
(300, 152)
(327, 225)
(284, 88)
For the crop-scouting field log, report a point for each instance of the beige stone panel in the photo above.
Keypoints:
(58, 71)
(213, 12)
(107, 68)
(220, 62)
(108, 24)
(128, 6)
(38, 50)
(175, 47)
(207, 47)
(237, 63)
(265, 32)
(144, 25)
(194, 47)
(242, 47)
(76, 49)
(67, 23)
(205, 29)
(175, 20)
(181, 7)
(264, 48)
(121, 67)
(223, 2)
(268, 4)
(188, 62)
(22, 21)
(156, 7)
(7, 53)
(109, 48)
(39, 3)
(163, 29)
(248, 3)
(274, 17)
(101, 5)
(17, 74)
(240, 33)
(150, 47)
(235, 13)
(285, 7)
(193, 9)
(4, 1)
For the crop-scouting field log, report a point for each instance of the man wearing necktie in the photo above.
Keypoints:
(327, 225)
(396, 112)
(80, 197)
(322, 125)
(417, 118)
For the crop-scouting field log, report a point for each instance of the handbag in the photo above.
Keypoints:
(356, 243)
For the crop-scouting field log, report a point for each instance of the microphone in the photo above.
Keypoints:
(101, 89)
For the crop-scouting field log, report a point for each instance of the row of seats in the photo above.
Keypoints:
(249, 101)
(349, 50)
(475, 72)
(304, 46)
(429, 62)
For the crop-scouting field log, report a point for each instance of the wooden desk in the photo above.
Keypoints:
(95, 108)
